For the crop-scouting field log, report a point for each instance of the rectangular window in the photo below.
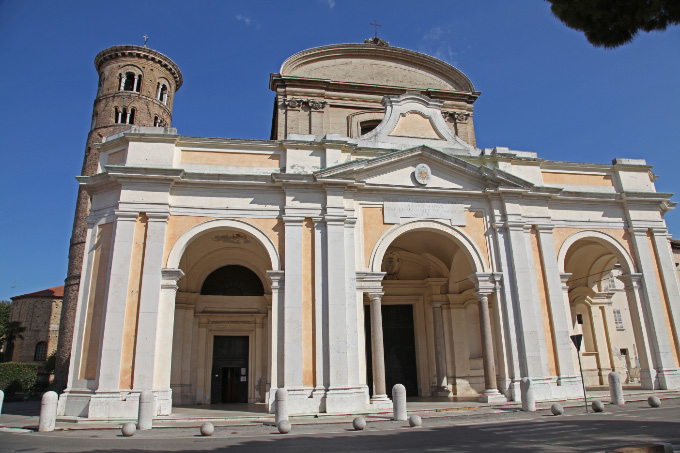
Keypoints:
(579, 319)
(618, 320)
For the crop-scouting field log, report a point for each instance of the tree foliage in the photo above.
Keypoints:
(611, 23)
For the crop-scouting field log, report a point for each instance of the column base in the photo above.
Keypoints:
(380, 403)
(346, 400)
(301, 401)
(442, 392)
(492, 396)
(669, 378)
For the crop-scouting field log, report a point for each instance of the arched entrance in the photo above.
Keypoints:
(605, 307)
(222, 329)
(438, 310)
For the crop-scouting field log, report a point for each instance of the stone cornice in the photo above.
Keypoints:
(114, 52)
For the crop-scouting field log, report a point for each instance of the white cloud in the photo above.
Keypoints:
(245, 19)
(330, 3)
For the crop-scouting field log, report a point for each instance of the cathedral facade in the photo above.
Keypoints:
(369, 242)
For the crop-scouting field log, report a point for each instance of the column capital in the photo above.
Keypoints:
(170, 277)
(338, 220)
(91, 222)
(564, 278)
(126, 216)
(292, 220)
(437, 304)
(158, 216)
(485, 283)
(545, 228)
(350, 221)
(638, 231)
(277, 279)
(631, 281)
(515, 225)
(660, 231)
(375, 295)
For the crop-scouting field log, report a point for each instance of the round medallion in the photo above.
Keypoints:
(423, 174)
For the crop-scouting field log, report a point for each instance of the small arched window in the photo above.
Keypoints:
(129, 81)
(40, 351)
(368, 126)
(116, 115)
(232, 280)
(162, 93)
(138, 83)
(131, 117)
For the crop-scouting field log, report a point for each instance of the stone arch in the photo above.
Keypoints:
(474, 254)
(216, 259)
(194, 232)
(605, 240)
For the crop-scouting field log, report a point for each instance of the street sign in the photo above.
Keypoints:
(576, 339)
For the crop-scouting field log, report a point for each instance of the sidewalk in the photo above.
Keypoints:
(25, 415)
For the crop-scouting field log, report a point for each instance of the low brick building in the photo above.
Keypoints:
(39, 313)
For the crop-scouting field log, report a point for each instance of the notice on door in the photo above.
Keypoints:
(397, 209)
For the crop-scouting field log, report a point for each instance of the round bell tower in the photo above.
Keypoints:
(137, 87)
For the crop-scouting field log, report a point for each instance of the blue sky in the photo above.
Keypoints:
(544, 89)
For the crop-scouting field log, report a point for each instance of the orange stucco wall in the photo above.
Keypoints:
(132, 304)
(664, 299)
(95, 303)
(178, 225)
(576, 179)
(235, 159)
(308, 302)
(543, 295)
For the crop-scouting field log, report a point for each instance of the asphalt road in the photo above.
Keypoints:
(633, 424)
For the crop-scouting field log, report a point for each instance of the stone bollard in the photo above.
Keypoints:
(399, 402)
(128, 429)
(2, 398)
(653, 401)
(557, 409)
(528, 398)
(415, 421)
(598, 406)
(48, 412)
(616, 389)
(207, 429)
(281, 405)
(359, 423)
(283, 426)
(145, 417)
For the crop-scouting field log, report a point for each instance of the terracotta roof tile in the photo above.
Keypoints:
(57, 292)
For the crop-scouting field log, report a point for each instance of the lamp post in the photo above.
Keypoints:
(577, 339)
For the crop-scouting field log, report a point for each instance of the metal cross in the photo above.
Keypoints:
(376, 25)
(146, 38)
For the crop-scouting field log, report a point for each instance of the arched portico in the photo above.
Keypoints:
(432, 276)
(606, 303)
(222, 339)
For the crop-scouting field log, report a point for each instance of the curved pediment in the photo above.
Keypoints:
(376, 65)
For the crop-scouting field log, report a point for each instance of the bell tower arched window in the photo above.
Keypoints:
(40, 351)
(162, 93)
(130, 82)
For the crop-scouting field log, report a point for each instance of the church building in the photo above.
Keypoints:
(369, 242)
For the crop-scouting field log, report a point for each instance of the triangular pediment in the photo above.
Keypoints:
(402, 168)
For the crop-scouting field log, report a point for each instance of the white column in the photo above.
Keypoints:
(633, 286)
(352, 305)
(669, 279)
(484, 287)
(337, 305)
(151, 334)
(320, 304)
(530, 336)
(559, 315)
(114, 319)
(291, 316)
(276, 338)
(439, 349)
(667, 373)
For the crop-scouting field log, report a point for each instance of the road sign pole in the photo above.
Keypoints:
(576, 339)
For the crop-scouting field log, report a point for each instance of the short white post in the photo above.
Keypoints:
(2, 398)
(528, 398)
(399, 402)
(48, 412)
(145, 417)
(281, 405)
(616, 389)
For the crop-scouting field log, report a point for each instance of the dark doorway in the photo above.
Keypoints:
(229, 370)
(400, 348)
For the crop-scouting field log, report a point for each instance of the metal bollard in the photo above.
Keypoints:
(399, 402)
(145, 417)
(281, 405)
(616, 389)
(48, 412)
(528, 398)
